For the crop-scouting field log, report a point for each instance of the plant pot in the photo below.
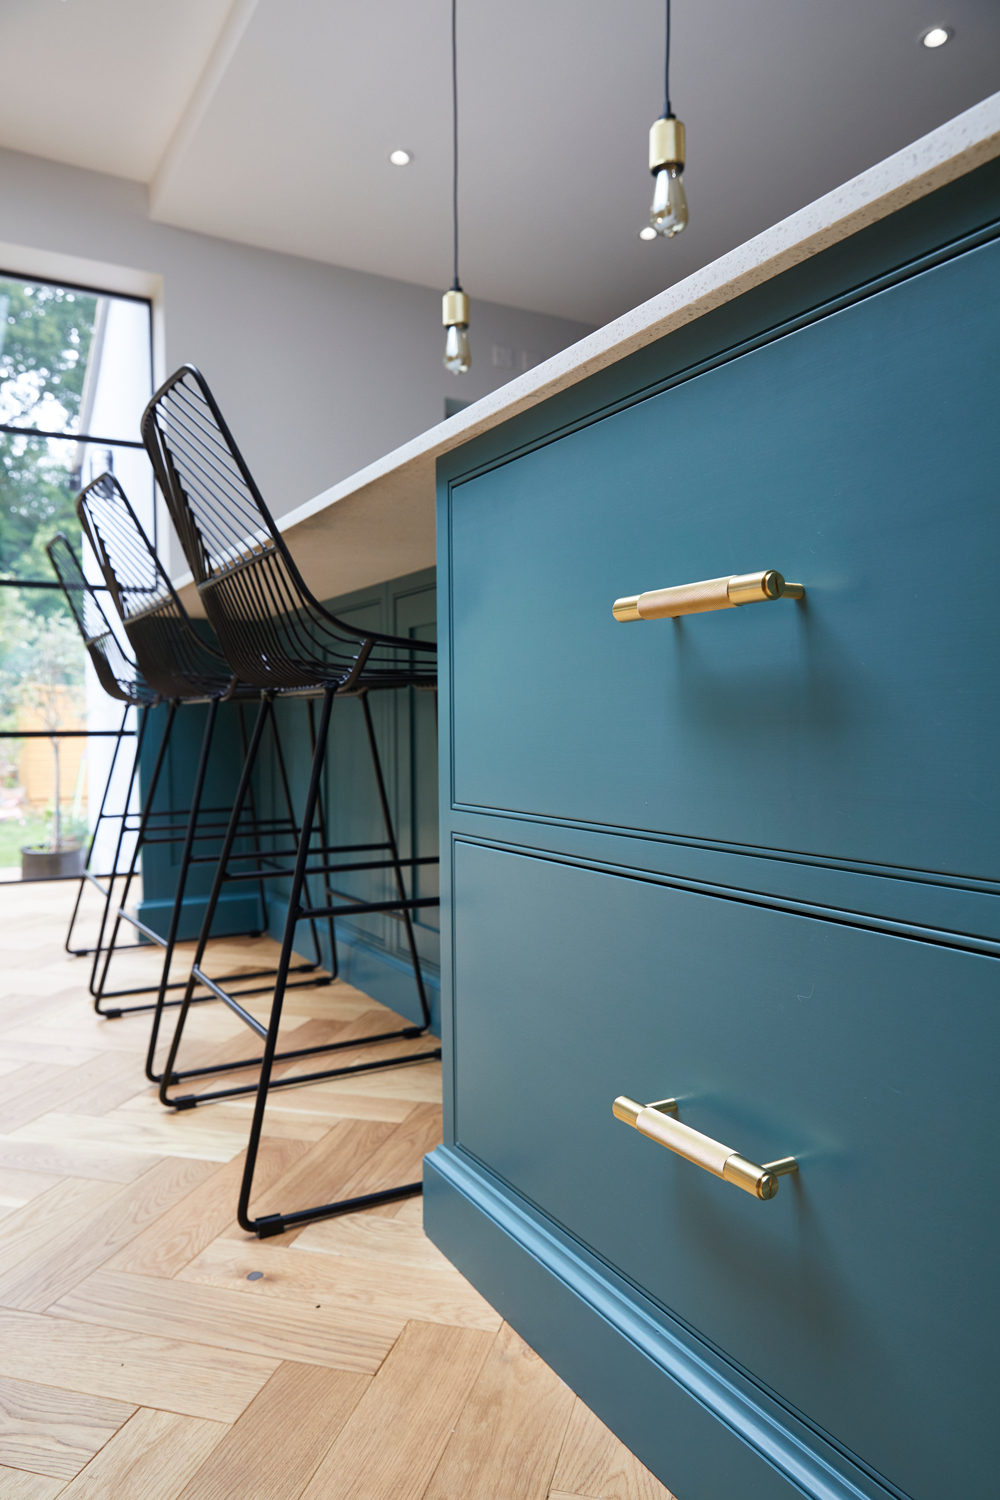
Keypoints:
(39, 863)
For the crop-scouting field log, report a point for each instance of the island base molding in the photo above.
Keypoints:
(702, 1427)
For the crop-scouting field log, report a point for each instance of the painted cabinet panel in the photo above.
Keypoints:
(239, 910)
(858, 455)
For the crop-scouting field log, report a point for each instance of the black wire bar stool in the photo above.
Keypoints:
(119, 677)
(185, 669)
(276, 635)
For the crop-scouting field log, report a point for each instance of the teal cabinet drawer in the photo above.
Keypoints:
(858, 455)
(862, 1294)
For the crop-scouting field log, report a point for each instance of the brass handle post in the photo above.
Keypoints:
(658, 1122)
(710, 594)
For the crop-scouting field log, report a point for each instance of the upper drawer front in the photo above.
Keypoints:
(859, 456)
(862, 1294)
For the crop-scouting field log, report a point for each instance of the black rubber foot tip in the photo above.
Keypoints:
(111, 1015)
(413, 1031)
(187, 1101)
(268, 1225)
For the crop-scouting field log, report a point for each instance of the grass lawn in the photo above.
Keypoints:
(14, 834)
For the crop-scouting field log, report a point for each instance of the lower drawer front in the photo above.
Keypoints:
(862, 1293)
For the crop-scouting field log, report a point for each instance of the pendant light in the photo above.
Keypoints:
(455, 304)
(669, 212)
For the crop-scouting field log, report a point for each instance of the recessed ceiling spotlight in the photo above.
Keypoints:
(647, 232)
(936, 36)
(400, 158)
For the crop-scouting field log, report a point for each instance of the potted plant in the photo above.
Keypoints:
(54, 669)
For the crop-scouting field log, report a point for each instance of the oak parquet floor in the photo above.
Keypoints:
(52, 1432)
(19, 1484)
(139, 1361)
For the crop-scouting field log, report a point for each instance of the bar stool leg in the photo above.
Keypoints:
(294, 899)
(290, 809)
(186, 854)
(244, 746)
(271, 1224)
(114, 874)
(324, 842)
(168, 1076)
(99, 993)
(88, 875)
(390, 834)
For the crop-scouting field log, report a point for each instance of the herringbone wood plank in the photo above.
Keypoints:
(151, 1458)
(54, 1432)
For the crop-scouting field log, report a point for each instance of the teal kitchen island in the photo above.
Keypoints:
(744, 860)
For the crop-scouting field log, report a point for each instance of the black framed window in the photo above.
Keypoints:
(76, 371)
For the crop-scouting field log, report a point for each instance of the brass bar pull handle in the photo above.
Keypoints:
(657, 1121)
(711, 594)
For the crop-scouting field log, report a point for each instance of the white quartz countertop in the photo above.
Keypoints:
(379, 523)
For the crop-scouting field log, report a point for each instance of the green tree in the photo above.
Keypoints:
(45, 338)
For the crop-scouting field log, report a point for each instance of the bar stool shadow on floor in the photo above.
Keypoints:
(186, 670)
(275, 634)
(119, 677)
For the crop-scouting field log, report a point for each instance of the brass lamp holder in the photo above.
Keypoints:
(666, 144)
(455, 309)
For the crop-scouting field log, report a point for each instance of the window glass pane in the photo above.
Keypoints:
(72, 363)
(45, 342)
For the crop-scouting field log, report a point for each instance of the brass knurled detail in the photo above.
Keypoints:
(685, 599)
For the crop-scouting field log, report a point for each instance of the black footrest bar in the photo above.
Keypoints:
(357, 907)
(368, 864)
(180, 984)
(271, 1224)
(115, 1013)
(408, 1034)
(188, 1101)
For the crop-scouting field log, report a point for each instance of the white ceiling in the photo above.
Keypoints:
(270, 122)
(102, 83)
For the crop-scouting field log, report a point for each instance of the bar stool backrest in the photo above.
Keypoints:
(116, 673)
(170, 653)
(273, 631)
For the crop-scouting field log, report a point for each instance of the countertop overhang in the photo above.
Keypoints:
(379, 523)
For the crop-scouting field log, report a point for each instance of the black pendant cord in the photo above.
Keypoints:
(456, 284)
(668, 113)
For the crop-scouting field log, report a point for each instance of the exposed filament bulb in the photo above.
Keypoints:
(669, 211)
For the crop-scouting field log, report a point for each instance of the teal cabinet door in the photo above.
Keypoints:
(862, 1293)
(859, 456)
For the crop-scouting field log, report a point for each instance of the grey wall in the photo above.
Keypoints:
(319, 369)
